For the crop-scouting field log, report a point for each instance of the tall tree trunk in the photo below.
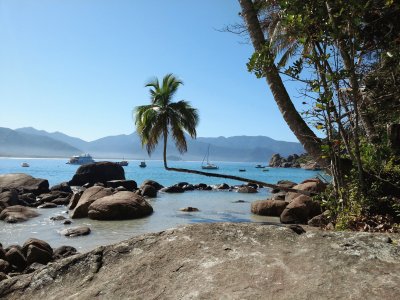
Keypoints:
(304, 134)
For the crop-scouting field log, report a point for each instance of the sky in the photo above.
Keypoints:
(80, 66)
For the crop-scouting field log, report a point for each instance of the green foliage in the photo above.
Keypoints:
(260, 61)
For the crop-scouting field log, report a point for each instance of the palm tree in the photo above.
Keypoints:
(296, 123)
(163, 116)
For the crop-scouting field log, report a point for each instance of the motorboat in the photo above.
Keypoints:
(260, 167)
(208, 165)
(81, 159)
(242, 170)
(123, 163)
(25, 165)
(143, 164)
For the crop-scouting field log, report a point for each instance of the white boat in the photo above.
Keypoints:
(81, 159)
(142, 164)
(25, 165)
(208, 165)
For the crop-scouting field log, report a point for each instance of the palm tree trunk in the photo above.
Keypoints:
(165, 133)
(260, 183)
(304, 134)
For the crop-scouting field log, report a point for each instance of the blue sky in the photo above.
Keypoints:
(79, 66)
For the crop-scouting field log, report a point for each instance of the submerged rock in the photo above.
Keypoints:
(18, 213)
(76, 231)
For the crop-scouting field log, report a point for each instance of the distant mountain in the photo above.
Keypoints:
(14, 143)
(236, 148)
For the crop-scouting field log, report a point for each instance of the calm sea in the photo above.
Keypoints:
(215, 206)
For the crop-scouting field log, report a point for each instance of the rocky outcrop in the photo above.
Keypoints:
(173, 189)
(223, 260)
(247, 189)
(97, 172)
(24, 183)
(294, 161)
(120, 206)
(313, 185)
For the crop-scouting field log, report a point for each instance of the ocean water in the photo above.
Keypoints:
(214, 206)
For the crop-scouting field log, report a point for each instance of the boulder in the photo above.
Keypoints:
(247, 189)
(49, 197)
(8, 198)
(275, 161)
(4, 266)
(223, 186)
(273, 208)
(130, 185)
(172, 189)
(38, 244)
(120, 206)
(300, 210)
(97, 172)
(15, 257)
(319, 220)
(36, 254)
(88, 197)
(148, 191)
(61, 201)
(153, 183)
(189, 209)
(283, 183)
(17, 213)
(62, 187)
(278, 196)
(76, 231)
(28, 198)
(182, 184)
(313, 185)
(24, 183)
(74, 199)
(188, 187)
(58, 218)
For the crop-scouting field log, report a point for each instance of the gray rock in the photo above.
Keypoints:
(300, 210)
(189, 209)
(222, 261)
(76, 231)
(9, 198)
(172, 189)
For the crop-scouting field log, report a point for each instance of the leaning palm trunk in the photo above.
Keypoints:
(304, 134)
(260, 183)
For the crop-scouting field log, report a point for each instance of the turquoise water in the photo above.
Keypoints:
(56, 171)
(214, 206)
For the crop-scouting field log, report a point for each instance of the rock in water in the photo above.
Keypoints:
(222, 260)
(120, 206)
(97, 172)
(76, 231)
(17, 213)
(88, 197)
(24, 183)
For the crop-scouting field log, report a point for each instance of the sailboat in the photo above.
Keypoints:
(208, 165)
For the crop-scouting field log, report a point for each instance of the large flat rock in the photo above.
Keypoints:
(24, 183)
(223, 261)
